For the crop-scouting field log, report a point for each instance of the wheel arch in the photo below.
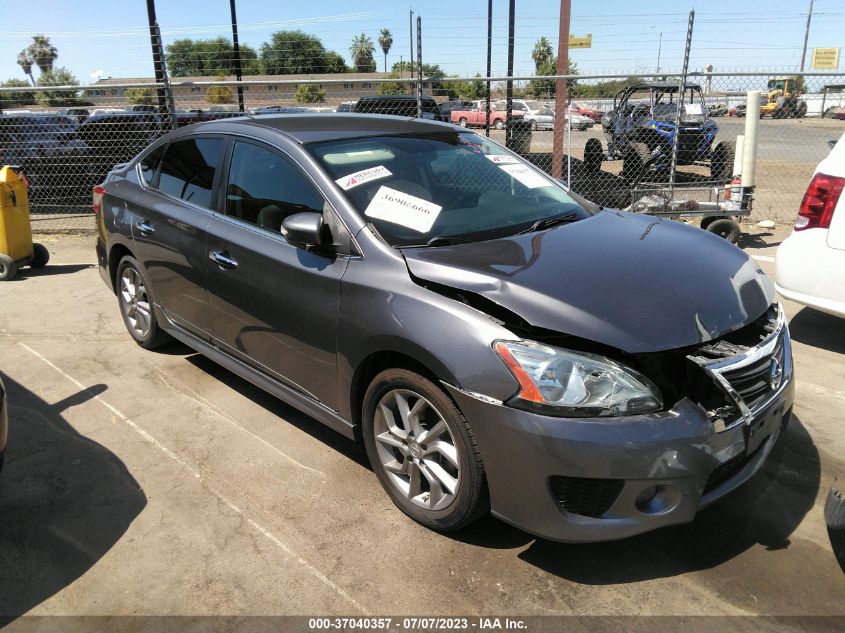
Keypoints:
(116, 253)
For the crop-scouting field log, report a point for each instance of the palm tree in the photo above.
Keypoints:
(385, 40)
(42, 52)
(362, 50)
(542, 52)
(26, 65)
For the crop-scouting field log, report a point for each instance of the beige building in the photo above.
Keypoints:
(259, 90)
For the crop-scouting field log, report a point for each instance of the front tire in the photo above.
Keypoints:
(499, 124)
(8, 267)
(423, 451)
(136, 305)
(462, 122)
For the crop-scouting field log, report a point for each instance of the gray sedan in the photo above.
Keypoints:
(497, 343)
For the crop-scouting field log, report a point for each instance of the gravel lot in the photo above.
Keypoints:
(158, 483)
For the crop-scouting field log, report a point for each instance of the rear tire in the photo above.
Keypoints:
(8, 268)
(634, 163)
(40, 256)
(437, 480)
(499, 124)
(462, 122)
(705, 222)
(722, 161)
(136, 305)
(725, 228)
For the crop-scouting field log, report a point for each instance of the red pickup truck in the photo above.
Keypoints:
(475, 116)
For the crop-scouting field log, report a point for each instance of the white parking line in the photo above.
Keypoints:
(764, 258)
(197, 475)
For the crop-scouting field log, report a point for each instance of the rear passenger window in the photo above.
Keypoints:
(264, 188)
(149, 164)
(187, 170)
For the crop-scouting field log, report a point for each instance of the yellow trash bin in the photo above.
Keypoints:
(16, 246)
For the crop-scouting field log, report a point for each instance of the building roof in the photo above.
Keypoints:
(258, 78)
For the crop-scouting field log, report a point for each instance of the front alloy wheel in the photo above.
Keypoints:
(423, 451)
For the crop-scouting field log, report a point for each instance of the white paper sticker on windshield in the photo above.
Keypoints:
(525, 175)
(501, 158)
(360, 177)
(401, 208)
(693, 108)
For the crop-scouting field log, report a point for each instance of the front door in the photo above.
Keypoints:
(274, 305)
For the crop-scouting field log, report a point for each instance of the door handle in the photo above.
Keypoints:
(223, 259)
(145, 227)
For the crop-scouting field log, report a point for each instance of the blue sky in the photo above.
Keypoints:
(730, 34)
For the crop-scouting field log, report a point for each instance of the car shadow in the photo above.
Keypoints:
(65, 501)
(753, 514)
(354, 451)
(818, 329)
(755, 240)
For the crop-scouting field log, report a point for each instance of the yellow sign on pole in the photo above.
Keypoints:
(825, 59)
(582, 42)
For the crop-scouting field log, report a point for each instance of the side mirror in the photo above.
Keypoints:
(832, 143)
(304, 230)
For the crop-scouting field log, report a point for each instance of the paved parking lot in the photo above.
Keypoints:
(158, 483)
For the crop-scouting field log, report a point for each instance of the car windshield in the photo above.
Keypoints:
(442, 188)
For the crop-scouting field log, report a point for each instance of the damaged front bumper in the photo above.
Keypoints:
(598, 479)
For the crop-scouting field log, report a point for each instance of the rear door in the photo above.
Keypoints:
(274, 305)
(169, 218)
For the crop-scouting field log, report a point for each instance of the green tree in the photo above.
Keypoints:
(362, 51)
(385, 40)
(9, 99)
(546, 88)
(140, 96)
(605, 88)
(542, 53)
(57, 77)
(309, 93)
(471, 90)
(297, 53)
(26, 63)
(393, 88)
(216, 56)
(42, 53)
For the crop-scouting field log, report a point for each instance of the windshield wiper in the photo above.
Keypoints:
(440, 240)
(547, 223)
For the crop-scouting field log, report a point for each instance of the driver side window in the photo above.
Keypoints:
(264, 188)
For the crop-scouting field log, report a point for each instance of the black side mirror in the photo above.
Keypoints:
(832, 143)
(304, 230)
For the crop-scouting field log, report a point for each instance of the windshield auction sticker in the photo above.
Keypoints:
(499, 159)
(525, 175)
(401, 208)
(360, 177)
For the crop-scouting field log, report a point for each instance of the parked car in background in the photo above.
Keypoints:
(80, 114)
(277, 109)
(579, 122)
(399, 105)
(540, 116)
(447, 107)
(810, 263)
(590, 113)
(346, 106)
(834, 112)
(475, 115)
(717, 109)
(495, 344)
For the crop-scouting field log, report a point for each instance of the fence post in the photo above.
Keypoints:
(419, 67)
(681, 90)
(561, 89)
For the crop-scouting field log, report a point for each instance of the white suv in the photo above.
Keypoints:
(810, 263)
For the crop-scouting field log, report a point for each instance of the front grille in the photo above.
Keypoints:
(753, 382)
(729, 470)
(587, 497)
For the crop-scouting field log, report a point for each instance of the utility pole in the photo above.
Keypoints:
(411, 33)
(237, 55)
(509, 89)
(489, 68)
(158, 62)
(659, 48)
(419, 67)
(561, 89)
(806, 36)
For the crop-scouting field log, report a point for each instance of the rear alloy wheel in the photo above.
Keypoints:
(136, 306)
(423, 451)
(725, 228)
(499, 124)
(462, 122)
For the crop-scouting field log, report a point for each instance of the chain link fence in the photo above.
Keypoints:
(622, 142)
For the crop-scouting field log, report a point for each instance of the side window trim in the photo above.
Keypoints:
(153, 184)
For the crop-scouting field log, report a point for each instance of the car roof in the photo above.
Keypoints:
(325, 126)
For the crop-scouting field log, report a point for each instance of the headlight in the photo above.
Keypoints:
(577, 384)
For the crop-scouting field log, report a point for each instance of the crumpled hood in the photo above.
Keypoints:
(634, 282)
